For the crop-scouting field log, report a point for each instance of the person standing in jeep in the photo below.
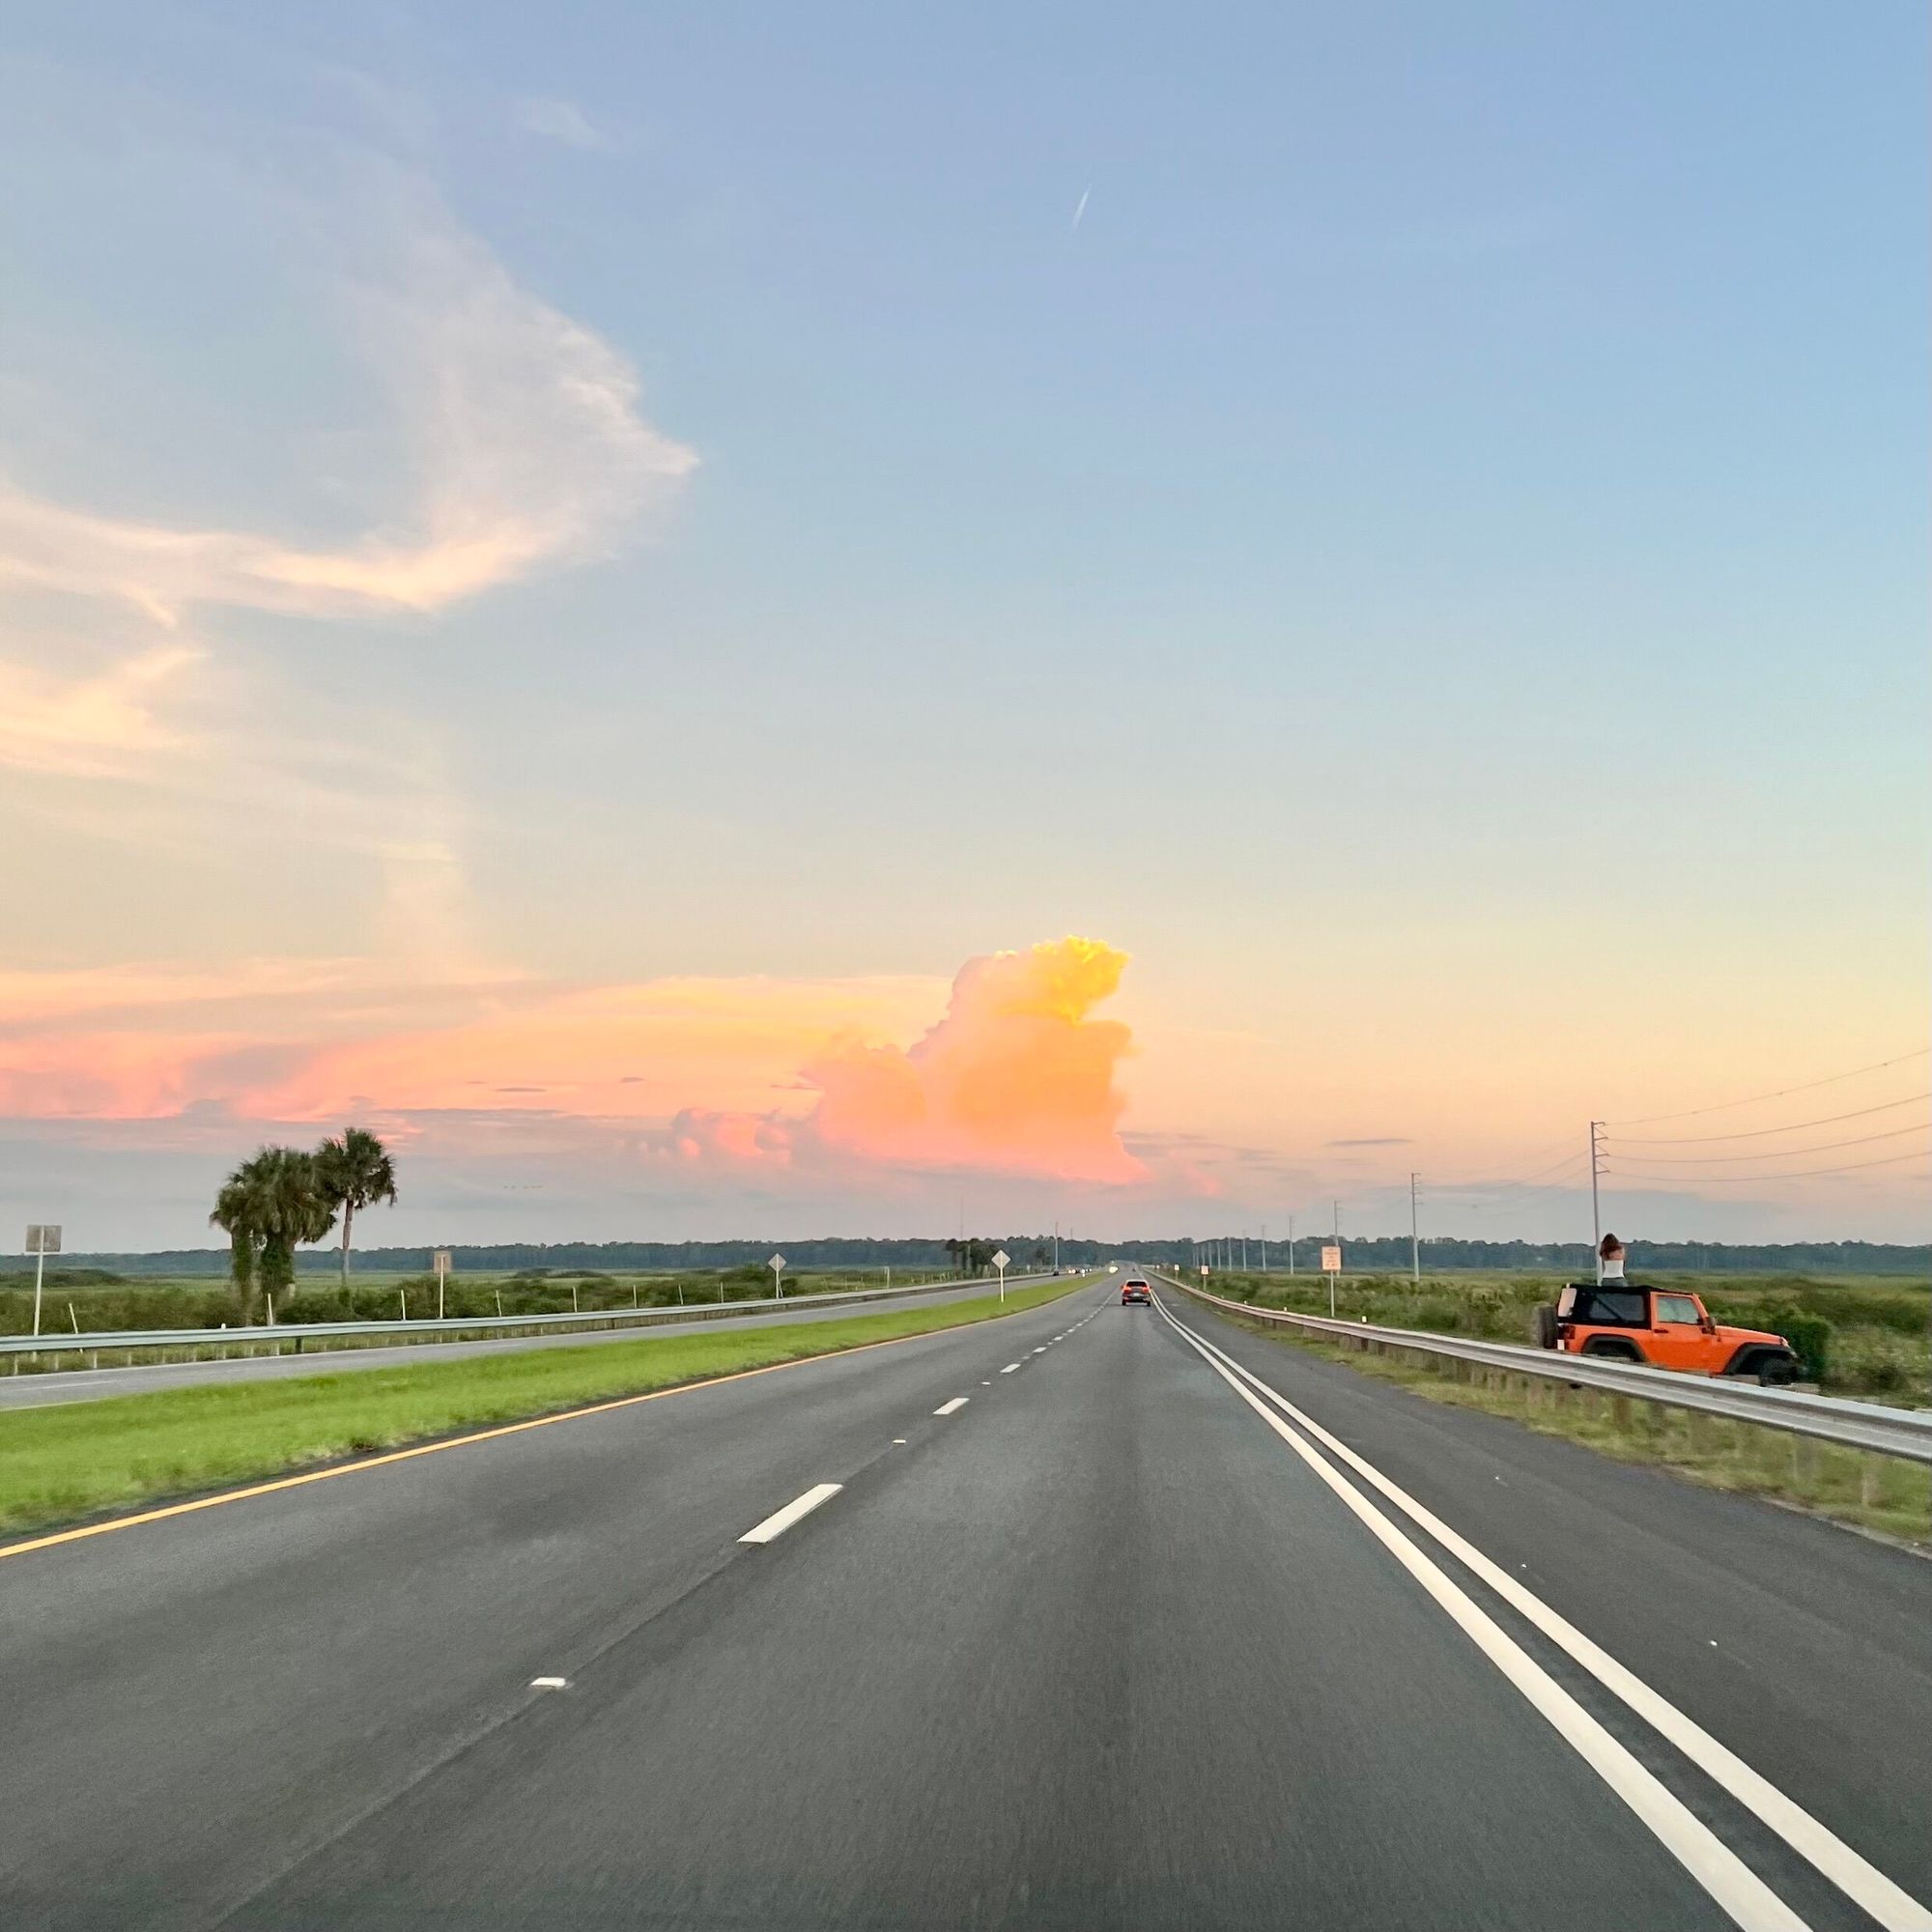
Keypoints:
(1611, 1256)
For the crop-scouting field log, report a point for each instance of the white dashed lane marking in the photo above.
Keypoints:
(775, 1525)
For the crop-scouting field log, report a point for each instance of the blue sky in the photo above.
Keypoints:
(1430, 564)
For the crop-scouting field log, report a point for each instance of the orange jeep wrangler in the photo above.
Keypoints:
(1665, 1327)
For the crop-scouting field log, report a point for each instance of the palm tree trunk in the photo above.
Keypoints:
(348, 1215)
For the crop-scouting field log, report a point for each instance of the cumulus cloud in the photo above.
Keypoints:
(1017, 1077)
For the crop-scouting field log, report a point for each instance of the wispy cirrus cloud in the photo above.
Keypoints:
(552, 119)
(513, 441)
(520, 427)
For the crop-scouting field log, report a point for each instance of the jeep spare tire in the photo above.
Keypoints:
(1546, 1326)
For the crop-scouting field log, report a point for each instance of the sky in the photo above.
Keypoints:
(736, 620)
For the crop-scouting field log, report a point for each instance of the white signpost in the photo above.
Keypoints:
(777, 1267)
(1203, 1270)
(1002, 1261)
(442, 1264)
(1331, 1267)
(44, 1238)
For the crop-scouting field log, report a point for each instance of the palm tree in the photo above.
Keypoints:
(269, 1204)
(355, 1172)
(235, 1211)
(293, 1208)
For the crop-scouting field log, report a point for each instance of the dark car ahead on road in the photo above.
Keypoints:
(1134, 1289)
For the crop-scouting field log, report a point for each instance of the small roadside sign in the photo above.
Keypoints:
(1203, 1270)
(776, 1266)
(442, 1262)
(44, 1238)
(1331, 1260)
(1001, 1259)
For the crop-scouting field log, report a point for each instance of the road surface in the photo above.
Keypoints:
(1105, 1644)
(52, 1387)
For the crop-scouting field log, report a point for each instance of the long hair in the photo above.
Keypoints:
(1609, 1245)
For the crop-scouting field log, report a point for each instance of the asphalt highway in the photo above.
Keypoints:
(53, 1387)
(1060, 1621)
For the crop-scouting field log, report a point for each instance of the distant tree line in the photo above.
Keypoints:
(1383, 1253)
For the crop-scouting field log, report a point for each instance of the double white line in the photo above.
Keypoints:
(1729, 1881)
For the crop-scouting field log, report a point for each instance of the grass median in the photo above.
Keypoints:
(64, 1464)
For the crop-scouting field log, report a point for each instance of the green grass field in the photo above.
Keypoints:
(59, 1464)
(74, 1302)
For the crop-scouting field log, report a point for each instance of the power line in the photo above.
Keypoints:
(1758, 1133)
(1758, 1180)
(1751, 1099)
(1485, 1186)
(1782, 1153)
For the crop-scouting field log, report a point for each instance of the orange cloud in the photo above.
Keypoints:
(1017, 1079)
(1017, 1075)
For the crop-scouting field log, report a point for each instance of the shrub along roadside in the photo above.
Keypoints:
(70, 1462)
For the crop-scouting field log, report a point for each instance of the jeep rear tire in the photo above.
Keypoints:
(1546, 1326)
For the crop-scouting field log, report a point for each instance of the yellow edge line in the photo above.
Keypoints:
(454, 1443)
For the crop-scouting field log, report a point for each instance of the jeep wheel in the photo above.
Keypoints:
(1546, 1326)
(1777, 1372)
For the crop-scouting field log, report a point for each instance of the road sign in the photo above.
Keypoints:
(43, 1239)
(441, 1262)
(777, 1267)
(1331, 1260)
(1002, 1259)
(776, 1262)
(1203, 1270)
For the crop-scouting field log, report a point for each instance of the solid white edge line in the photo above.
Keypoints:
(958, 1402)
(1743, 1897)
(1869, 1888)
(778, 1523)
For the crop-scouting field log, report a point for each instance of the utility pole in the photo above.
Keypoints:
(1414, 1238)
(1264, 1247)
(1055, 1248)
(1596, 1205)
(1290, 1244)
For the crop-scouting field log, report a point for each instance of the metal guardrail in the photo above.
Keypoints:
(254, 1341)
(1902, 1433)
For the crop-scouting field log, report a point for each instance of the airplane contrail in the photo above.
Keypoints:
(1082, 209)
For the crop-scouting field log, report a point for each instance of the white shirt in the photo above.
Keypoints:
(1614, 1271)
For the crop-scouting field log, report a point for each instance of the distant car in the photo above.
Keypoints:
(1134, 1289)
